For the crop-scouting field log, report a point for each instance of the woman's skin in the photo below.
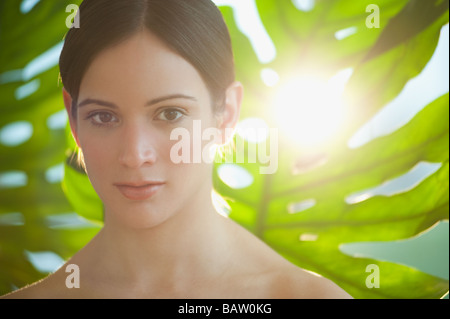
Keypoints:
(172, 244)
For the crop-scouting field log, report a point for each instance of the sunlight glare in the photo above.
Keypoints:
(310, 109)
(270, 77)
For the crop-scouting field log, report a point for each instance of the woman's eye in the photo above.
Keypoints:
(170, 115)
(103, 118)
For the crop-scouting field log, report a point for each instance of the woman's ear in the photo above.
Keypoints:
(73, 123)
(229, 116)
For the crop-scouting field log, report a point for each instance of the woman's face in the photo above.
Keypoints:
(131, 98)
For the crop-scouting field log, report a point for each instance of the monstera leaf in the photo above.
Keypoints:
(311, 237)
(35, 216)
(302, 211)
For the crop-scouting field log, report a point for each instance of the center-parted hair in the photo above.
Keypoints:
(194, 29)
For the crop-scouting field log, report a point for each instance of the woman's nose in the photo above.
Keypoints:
(137, 147)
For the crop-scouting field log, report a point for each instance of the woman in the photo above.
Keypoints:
(133, 72)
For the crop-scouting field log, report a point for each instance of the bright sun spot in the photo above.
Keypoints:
(310, 109)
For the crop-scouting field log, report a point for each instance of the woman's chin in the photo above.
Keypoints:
(137, 219)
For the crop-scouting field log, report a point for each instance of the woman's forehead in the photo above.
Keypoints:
(142, 64)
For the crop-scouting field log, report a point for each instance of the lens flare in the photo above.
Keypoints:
(310, 109)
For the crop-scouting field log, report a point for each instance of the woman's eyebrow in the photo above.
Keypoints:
(150, 103)
(98, 102)
(170, 97)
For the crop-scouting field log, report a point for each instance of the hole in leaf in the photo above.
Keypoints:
(55, 174)
(13, 179)
(304, 5)
(345, 33)
(12, 219)
(295, 208)
(253, 130)
(270, 77)
(308, 237)
(220, 204)
(16, 133)
(68, 221)
(43, 62)
(308, 163)
(11, 76)
(44, 261)
(399, 185)
(57, 121)
(28, 5)
(235, 176)
(428, 252)
(249, 22)
(26, 90)
(420, 91)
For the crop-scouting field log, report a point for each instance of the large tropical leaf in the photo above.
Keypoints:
(311, 238)
(302, 210)
(35, 215)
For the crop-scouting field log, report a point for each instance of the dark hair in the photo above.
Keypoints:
(195, 29)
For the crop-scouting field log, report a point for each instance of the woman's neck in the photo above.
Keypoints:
(190, 246)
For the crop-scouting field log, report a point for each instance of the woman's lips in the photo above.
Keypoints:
(142, 192)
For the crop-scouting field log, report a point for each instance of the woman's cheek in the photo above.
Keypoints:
(97, 156)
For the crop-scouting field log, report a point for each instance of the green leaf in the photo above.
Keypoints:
(383, 73)
(82, 196)
(415, 17)
(382, 67)
(39, 199)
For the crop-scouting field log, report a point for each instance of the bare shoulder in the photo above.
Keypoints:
(51, 287)
(279, 278)
(292, 282)
(36, 290)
